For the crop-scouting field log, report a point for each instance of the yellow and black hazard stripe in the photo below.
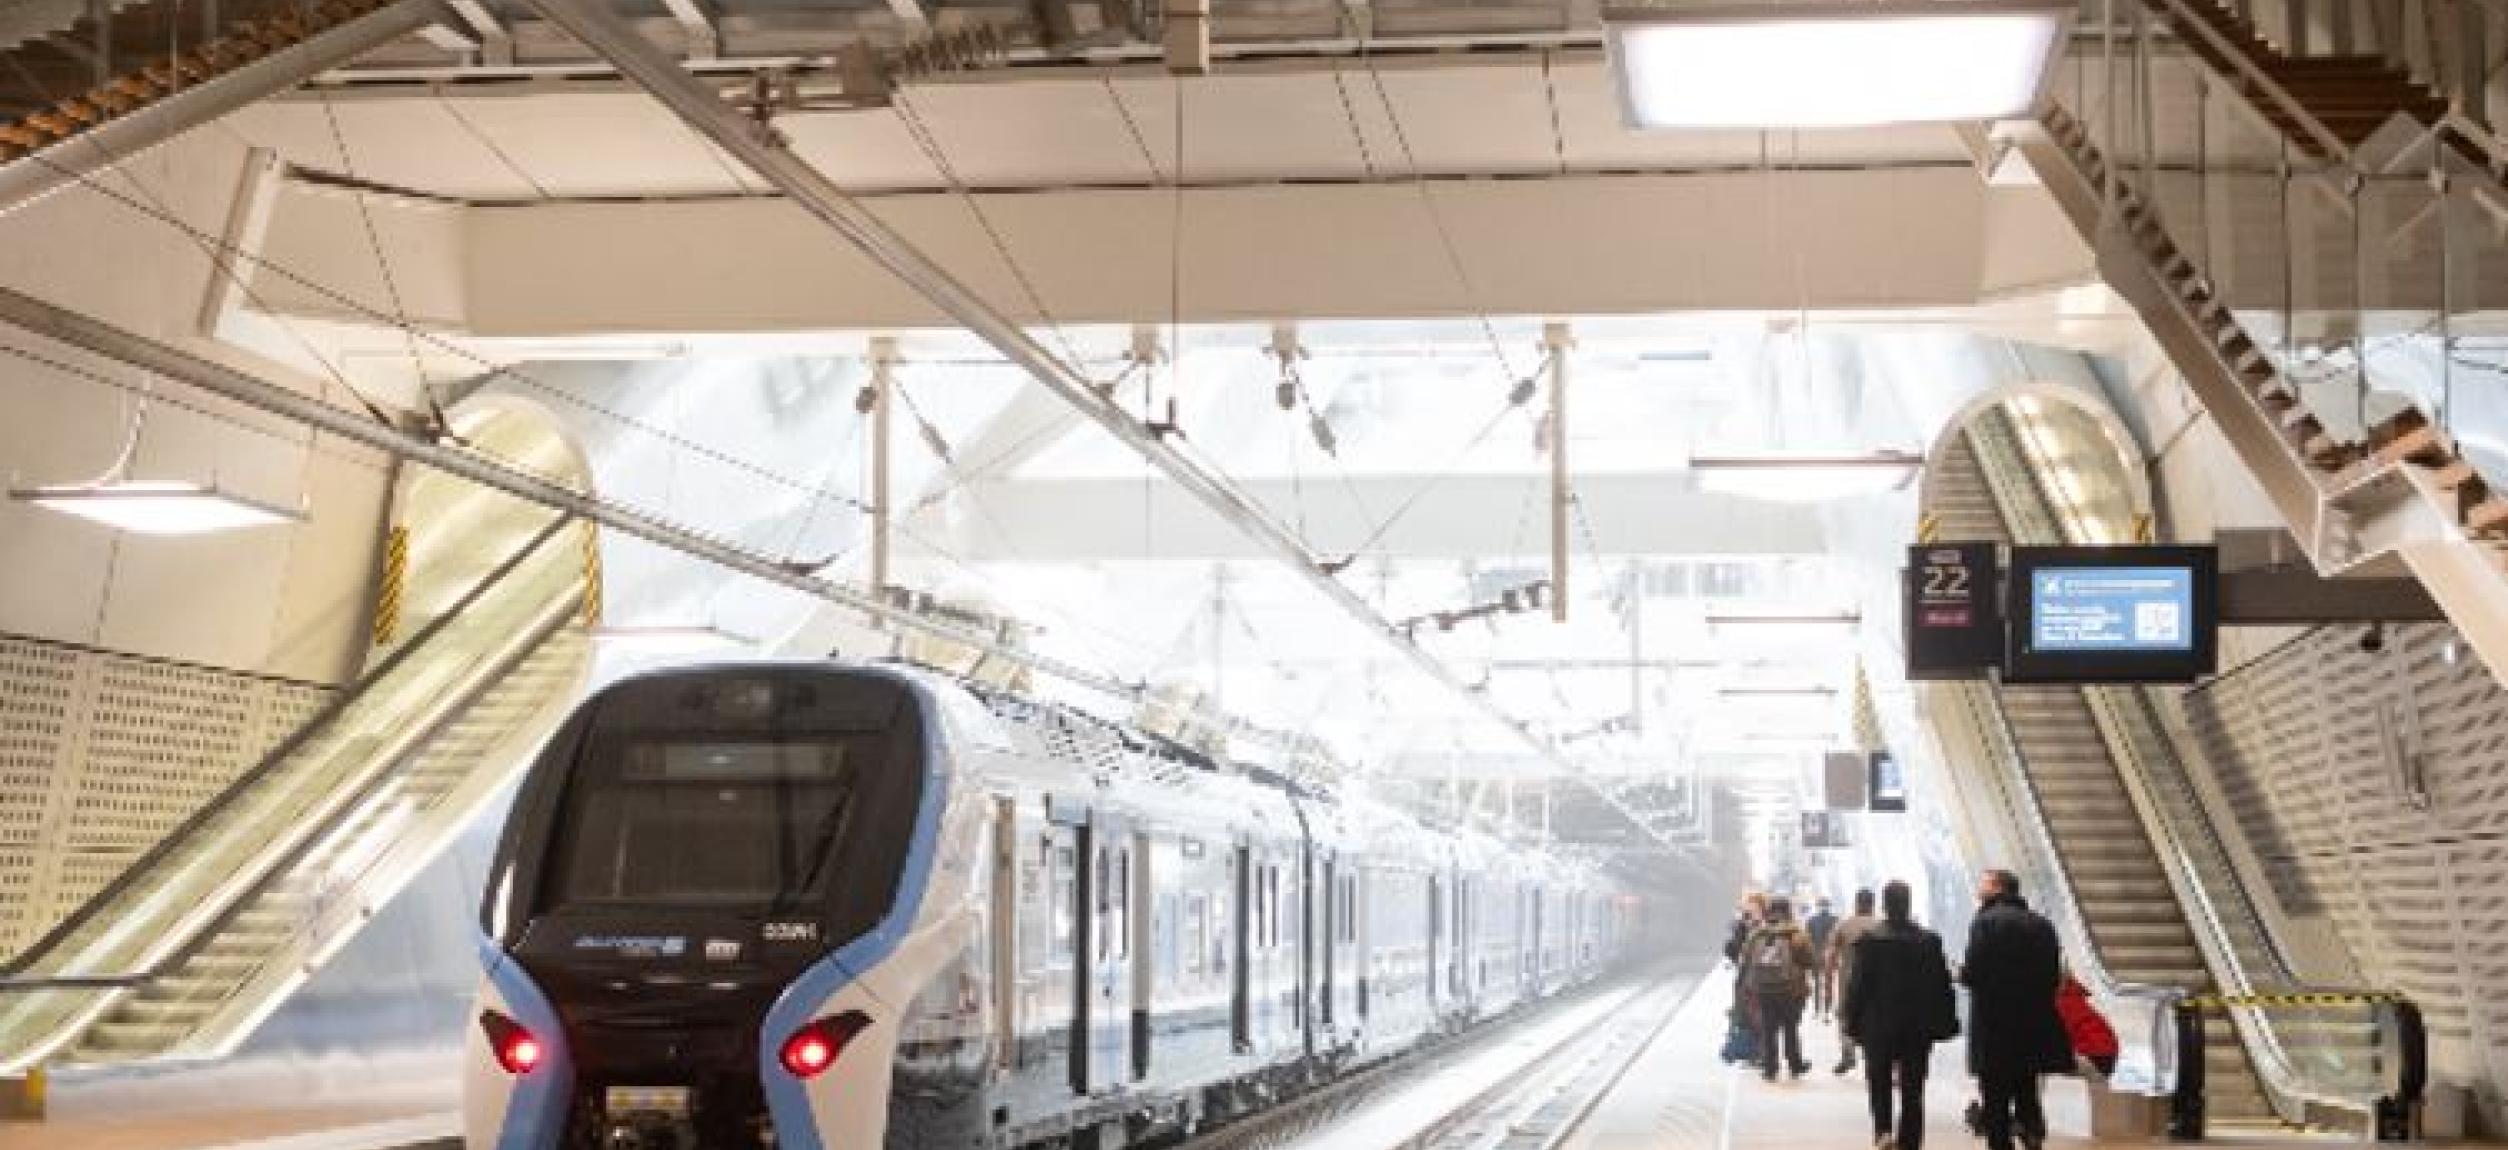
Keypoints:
(389, 588)
(2290, 1001)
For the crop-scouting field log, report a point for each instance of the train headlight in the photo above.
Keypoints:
(516, 1049)
(810, 1050)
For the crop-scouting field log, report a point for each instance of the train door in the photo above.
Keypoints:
(1435, 943)
(1241, 996)
(1323, 938)
(1101, 1022)
(1150, 931)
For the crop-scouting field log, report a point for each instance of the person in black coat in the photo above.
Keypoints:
(2012, 968)
(1898, 1003)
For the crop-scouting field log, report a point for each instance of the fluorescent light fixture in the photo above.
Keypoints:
(1828, 65)
(1804, 478)
(1831, 619)
(156, 506)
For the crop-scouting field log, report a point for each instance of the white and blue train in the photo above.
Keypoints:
(830, 907)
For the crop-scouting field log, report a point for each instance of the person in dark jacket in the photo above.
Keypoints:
(1898, 1003)
(2012, 968)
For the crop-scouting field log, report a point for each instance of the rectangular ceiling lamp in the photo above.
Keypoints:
(1829, 65)
(156, 506)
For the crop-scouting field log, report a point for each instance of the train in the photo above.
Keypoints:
(812, 905)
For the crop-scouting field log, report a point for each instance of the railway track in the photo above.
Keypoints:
(1543, 1093)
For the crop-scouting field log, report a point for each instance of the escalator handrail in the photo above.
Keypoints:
(20, 964)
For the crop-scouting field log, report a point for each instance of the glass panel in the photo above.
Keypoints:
(2323, 352)
(2246, 254)
(2475, 338)
(2402, 288)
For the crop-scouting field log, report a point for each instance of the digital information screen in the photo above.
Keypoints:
(1889, 784)
(2113, 609)
(2113, 614)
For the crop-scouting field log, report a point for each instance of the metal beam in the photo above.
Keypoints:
(39, 174)
(705, 41)
(496, 41)
(2299, 597)
(768, 153)
(910, 13)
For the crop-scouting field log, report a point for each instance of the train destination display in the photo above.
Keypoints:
(2113, 614)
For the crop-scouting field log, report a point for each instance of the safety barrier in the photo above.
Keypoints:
(2394, 1112)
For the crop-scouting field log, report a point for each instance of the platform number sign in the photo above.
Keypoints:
(1953, 609)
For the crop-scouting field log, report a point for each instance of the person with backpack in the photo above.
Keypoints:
(1742, 1038)
(1776, 966)
(1898, 1002)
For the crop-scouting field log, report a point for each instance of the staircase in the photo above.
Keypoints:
(2349, 96)
(183, 62)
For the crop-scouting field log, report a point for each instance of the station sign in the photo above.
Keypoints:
(1953, 610)
(1824, 831)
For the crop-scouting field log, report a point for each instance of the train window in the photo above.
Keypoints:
(1123, 903)
(738, 822)
(1196, 933)
(1065, 888)
(1104, 934)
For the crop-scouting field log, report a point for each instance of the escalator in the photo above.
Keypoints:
(2071, 785)
(207, 933)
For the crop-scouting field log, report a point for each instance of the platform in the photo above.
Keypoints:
(1679, 1096)
(368, 1103)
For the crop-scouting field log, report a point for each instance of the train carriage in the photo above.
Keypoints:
(815, 905)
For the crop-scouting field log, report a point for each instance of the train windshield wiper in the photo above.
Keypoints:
(822, 841)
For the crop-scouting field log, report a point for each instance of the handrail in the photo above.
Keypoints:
(295, 741)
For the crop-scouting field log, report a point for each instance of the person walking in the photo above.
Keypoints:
(1823, 977)
(1776, 965)
(2013, 966)
(1897, 1003)
(1839, 962)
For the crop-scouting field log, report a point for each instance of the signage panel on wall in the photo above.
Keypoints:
(2113, 614)
(1824, 831)
(1845, 781)
(1953, 610)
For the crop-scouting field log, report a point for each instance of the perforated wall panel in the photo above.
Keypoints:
(2374, 786)
(102, 754)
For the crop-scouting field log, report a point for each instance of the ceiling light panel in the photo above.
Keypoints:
(1792, 65)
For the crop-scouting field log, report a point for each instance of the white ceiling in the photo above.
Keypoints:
(1302, 120)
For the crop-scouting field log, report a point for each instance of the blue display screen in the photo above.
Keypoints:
(2112, 609)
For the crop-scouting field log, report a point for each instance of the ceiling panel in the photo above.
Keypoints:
(1247, 125)
(594, 144)
(1051, 132)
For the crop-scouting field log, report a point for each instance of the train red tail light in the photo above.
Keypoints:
(515, 1048)
(810, 1050)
